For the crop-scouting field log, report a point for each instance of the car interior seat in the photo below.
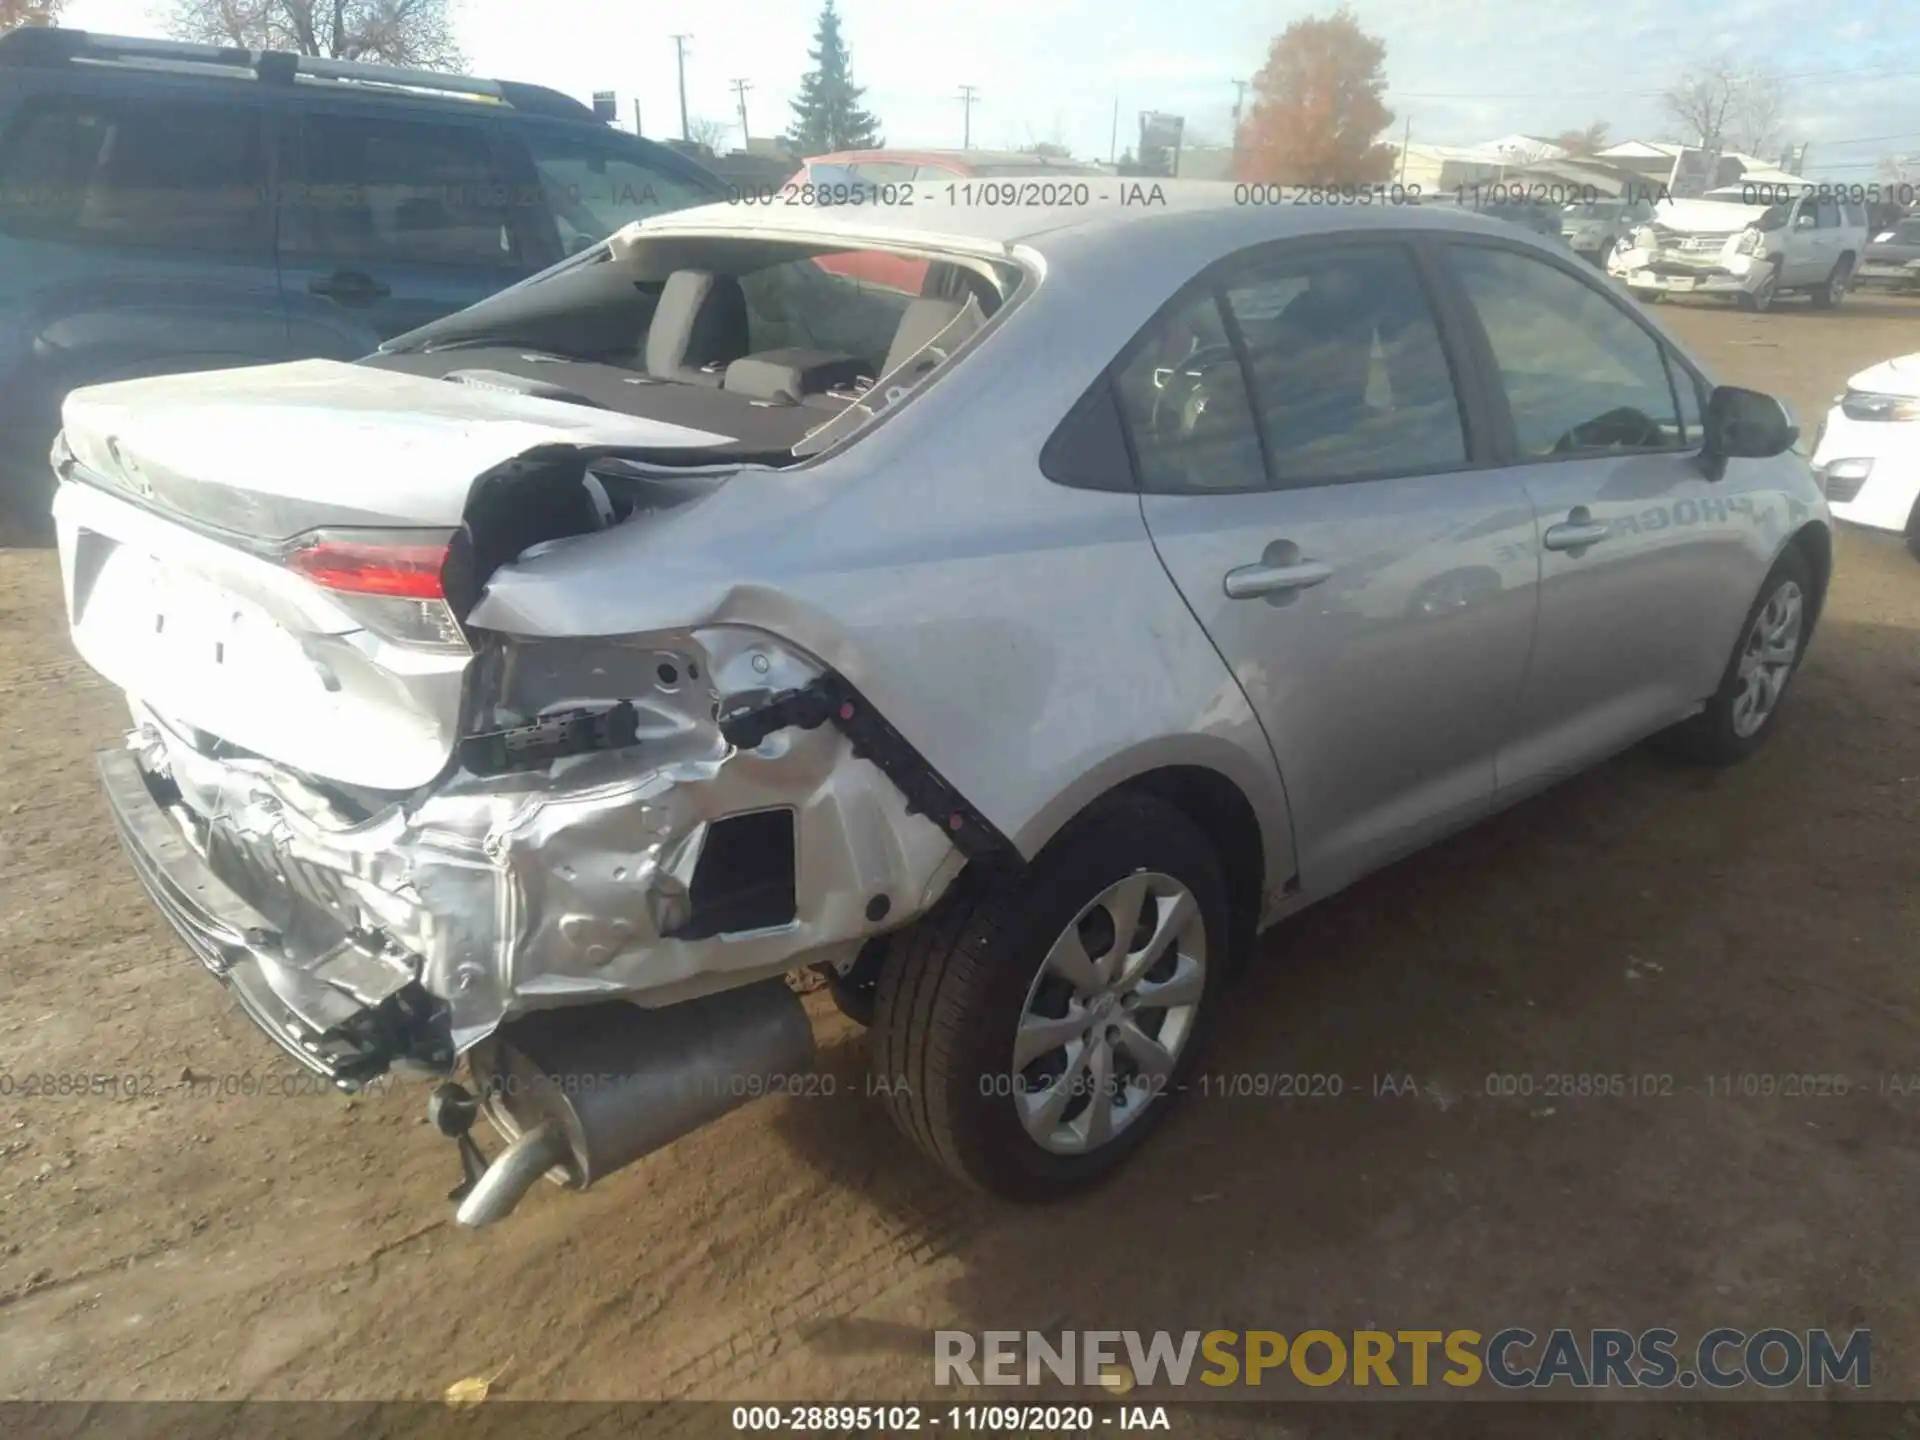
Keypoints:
(699, 327)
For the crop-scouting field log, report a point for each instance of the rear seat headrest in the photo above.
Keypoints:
(700, 320)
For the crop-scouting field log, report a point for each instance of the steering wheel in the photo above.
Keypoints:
(1623, 429)
(1182, 395)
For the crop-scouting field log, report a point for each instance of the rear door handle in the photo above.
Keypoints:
(1577, 531)
(349, 287)
(1250, 582)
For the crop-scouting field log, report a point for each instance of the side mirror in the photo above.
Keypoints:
(1803, 221)
(1744, 425)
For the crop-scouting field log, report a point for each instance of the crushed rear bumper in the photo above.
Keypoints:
(319, 1022)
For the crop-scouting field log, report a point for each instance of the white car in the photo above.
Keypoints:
(1750, 243)
(1868, 450)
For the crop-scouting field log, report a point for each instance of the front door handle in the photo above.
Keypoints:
(349, 287)
(1250, 582)
(1576, 532)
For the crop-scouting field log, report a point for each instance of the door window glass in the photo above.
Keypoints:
(1184, 400)
(381, 191)
(1349, 375)
(592, 190)
(164, 174)
(1581, 377)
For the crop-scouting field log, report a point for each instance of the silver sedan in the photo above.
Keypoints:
(1004, 604)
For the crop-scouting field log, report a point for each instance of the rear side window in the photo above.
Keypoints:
(593, 189)
(1183, 398)
(1349, 376)
(374, 190)
(883, 172)
(1581, 377)
(160, 174)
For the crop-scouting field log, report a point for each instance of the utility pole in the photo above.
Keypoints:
(1406, 139)
(740, 88)
(680, 56)
(1113, 141)
(967, 97)
(1239, 103)
(636, 116)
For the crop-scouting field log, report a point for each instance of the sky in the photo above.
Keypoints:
(1459, 71)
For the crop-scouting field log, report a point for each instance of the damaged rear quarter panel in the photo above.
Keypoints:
(1023, 637)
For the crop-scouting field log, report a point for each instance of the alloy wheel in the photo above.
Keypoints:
(1107, 1016)
(1766, 660)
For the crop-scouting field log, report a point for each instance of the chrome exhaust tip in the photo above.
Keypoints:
(514, 1171)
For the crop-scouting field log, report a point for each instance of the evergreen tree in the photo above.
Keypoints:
(827, 117)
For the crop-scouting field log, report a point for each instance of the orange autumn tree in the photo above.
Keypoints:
(1317, 109)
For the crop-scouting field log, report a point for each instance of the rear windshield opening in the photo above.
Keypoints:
(769, 349)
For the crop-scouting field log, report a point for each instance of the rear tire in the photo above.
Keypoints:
(1773, 639)
(1006, 1038)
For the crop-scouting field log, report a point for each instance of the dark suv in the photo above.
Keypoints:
(168, 207)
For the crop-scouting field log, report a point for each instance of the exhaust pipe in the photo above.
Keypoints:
(579, 1093)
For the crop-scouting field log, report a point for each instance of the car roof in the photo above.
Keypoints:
(131, 61)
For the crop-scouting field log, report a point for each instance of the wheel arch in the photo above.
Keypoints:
(1237, 801)
(1221, 809)
(1814, 542)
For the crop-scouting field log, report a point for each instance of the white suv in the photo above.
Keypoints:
(1750, 242)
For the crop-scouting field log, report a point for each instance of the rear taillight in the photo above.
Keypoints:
(393, 582)
(404, 566)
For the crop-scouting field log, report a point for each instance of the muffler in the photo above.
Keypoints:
(579, 1093)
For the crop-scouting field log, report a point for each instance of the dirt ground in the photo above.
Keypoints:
(1642, 919)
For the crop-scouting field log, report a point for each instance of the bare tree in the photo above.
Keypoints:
(15, 13)
(1900, 169)
(710, 133)
(1722, 105)
(1590, 141)
(1758, 113)
(413, 33)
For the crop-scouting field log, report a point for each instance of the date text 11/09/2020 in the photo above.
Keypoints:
(1128, 192)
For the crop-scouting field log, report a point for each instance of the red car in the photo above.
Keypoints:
(916, 172)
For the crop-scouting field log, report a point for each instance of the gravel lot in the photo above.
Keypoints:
(1643, 919)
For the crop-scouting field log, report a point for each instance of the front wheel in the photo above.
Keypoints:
(1774, 638)
(1033, 1029)
(1760, 300)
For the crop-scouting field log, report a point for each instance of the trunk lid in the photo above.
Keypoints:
(173, 532)
(273, 451)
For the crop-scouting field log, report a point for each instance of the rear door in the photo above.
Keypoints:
(1317, 485)
(1641, 555)
(398, 217)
